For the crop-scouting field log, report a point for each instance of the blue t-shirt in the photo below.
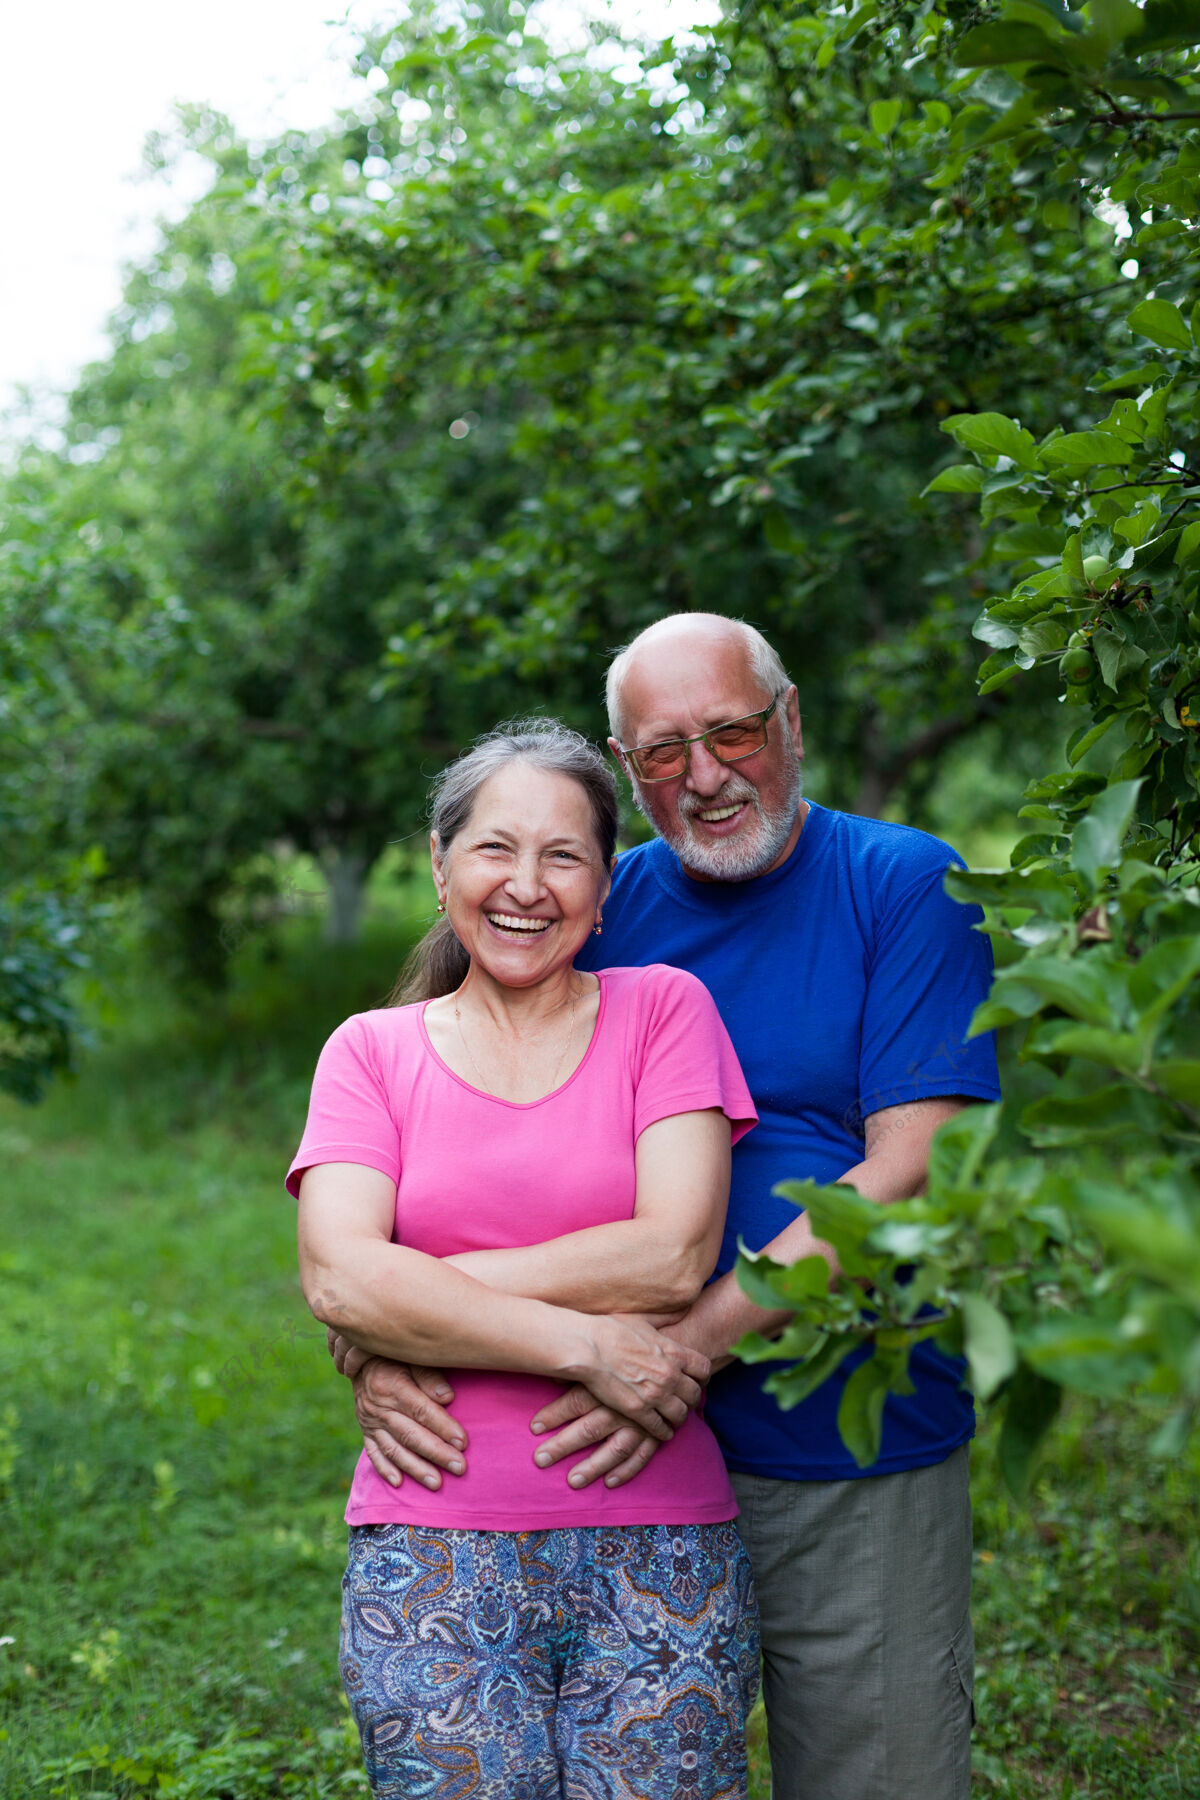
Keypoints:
(846, 979)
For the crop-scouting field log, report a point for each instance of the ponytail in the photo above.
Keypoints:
(436, 966)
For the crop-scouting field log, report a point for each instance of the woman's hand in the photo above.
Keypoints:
(641, 1373)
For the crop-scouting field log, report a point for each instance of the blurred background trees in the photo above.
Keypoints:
(408, 423)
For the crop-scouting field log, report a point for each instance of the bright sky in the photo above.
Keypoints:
(83, 83)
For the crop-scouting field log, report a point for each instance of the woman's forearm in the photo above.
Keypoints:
(400, 1303)
(630, 1266)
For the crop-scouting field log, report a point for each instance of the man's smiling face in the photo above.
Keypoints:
(724, 821)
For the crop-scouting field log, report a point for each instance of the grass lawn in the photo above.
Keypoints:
(175, 1453)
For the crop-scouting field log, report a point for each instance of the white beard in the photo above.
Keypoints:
(755, 847)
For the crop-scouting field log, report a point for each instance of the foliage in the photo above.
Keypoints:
(708, 309)
(1058, 1244)
(407, 422)
(176, 1631)
(39, 952)
(46, 879)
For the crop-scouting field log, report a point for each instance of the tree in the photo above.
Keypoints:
(735, 316)
(237, 703)
(1059, 1241)
(408, 423)
(45, 890)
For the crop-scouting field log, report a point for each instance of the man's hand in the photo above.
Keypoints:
(401, 1410)
(348, 1359)
(620, 1449)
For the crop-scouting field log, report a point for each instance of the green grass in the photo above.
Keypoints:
(175, 1453)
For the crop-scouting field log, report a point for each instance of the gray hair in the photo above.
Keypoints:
(765, 666)
(439, 964)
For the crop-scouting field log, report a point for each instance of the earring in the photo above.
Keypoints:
(596, 931)
(441, 906)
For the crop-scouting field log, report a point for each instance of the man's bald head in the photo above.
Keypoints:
(687, 679)
(655, 656)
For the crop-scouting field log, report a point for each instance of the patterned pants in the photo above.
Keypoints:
(601, 1663)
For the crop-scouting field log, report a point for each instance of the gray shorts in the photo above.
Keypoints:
(864, 1589)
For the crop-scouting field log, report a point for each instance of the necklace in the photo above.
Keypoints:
(567, 1041)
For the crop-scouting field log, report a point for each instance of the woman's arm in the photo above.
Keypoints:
(655, 1262)
(402, 1304)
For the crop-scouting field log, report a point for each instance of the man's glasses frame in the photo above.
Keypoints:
(632, 752)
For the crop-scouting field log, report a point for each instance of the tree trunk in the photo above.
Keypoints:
(345, 874)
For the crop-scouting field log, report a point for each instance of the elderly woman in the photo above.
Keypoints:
(511, 1176)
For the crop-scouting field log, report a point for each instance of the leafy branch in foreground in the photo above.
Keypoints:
(1058, 1243)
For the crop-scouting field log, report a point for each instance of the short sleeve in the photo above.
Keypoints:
(929, 972)
(350, 1116)
(686, 1062)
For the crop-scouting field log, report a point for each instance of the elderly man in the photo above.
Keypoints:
(846, 979)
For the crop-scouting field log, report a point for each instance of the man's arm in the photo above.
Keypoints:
(895, 1166)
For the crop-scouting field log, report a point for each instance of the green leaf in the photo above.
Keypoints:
(1100, 834)
(1156, 550)
(1181, 1079)
(994, 632)
(1168, 25)
(988, 1344)
(992, 434)
(960, 1146)
(997, 677)
(1115, 654)
(782, 535)
(1072, 558)
(1032, 1406)
(1041, 890)
(1110, 1112)
(1112, 1049)
(1006, 41)
(1090, 1356)
(961, 478)
(798, 1340)
(1028, 538)
(1112, 22)
(860, 1412)
(885, 116)
(1080, 743)
(1166, 970)
(1106, 381)
(1151, 1237)
(1044, 636)
(791, 1386)
(771, 1284)
(1081, 986)
(1086, 450)
(1162, 323)
(1189, 542)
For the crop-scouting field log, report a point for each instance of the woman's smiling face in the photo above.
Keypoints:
(523, 881)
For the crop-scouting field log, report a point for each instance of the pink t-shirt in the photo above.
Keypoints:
(473, 1172)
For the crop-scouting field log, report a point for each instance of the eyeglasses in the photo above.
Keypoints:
(729, 743)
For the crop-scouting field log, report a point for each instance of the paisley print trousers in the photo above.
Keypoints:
(599, 1663)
